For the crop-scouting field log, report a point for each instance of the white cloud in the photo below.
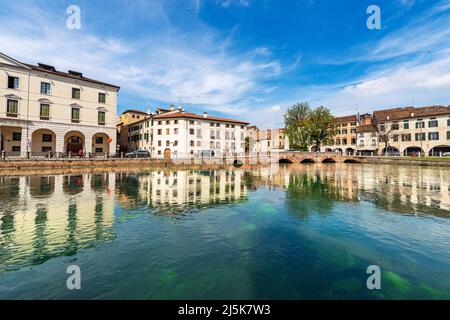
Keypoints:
(165, 66)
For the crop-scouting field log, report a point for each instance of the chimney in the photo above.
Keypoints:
(172, 108)
(205, 115)
(412, 114)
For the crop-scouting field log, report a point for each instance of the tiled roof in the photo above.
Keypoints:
(195, 116)
(411, 112)
(68, 75)
(346, 119)
(135, 111)
(366, 128)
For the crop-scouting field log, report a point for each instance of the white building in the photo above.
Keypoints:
(179, 134)
(48, 112)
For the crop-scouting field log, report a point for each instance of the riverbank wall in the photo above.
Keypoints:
(24, 166)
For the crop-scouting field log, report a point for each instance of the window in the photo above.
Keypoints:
(420, 136)
(167, 143)
(101, 117)
(406, 137)
(199, 134)
(13, 83)
(168, 122)
(167, 131)
(199, 143)
(218, 145)
(374, 143)
(361, 135)
(344, 131)
(46, 149)
(218, 134)
(45, 112)
(338, 142)
(395, 137)
(406, 124)
(12, 108)
(217, 125)
(353, 140)
(211, 135)
(176, 122)
(15, 148)
(353, 124)
(101, 97)
(353, 130)
(17, 136)
(159, 152)
(191, 131)
(175, 143)
(47, 138)
(159, 143)
(432, 124)
(192, 143)
(75, 115)
(395, 126)
(448, 122)
(159, 123)
(76, 93)
(98, 150)
(448, 135)
(344, 141)
(45, 88)
(420, 124)
(98, 140)
(382, 127)
(433, 136)
(159, 132)
(191, 122)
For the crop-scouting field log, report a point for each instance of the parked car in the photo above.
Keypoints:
(446, 154)
(138, 154)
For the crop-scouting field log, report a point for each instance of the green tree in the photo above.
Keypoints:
(321, 127)
(306, 126)
(296, 124)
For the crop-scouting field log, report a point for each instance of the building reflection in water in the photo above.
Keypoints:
(174, 192)
(47, 216)
(42, 217)
(398, 188)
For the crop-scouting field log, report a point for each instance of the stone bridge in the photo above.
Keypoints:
(317, 157)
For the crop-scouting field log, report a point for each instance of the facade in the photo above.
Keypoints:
(414, 131)
(175, 133)
(408, 131)
(45, 112)
(345, 140)
(125, 120)
(266, 141)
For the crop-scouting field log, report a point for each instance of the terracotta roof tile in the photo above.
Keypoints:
(346, 119)
(196, 116)
(366, 128)
(410, 112)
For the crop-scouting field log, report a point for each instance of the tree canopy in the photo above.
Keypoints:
(307, 127)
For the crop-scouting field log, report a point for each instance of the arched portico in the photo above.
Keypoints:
(74, 141)
(43, 141)
(439, 151)
(100, 143)
(413, 151)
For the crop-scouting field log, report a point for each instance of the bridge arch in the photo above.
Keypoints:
(307, 160)
(329, 160)
(284, 161)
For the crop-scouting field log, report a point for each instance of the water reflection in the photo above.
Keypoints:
(42, 217)
(48, 216)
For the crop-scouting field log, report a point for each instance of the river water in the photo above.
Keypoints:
(280, 232)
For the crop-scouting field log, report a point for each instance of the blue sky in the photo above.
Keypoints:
(247, 59)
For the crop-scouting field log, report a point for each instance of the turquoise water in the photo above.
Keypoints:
(293, 232)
